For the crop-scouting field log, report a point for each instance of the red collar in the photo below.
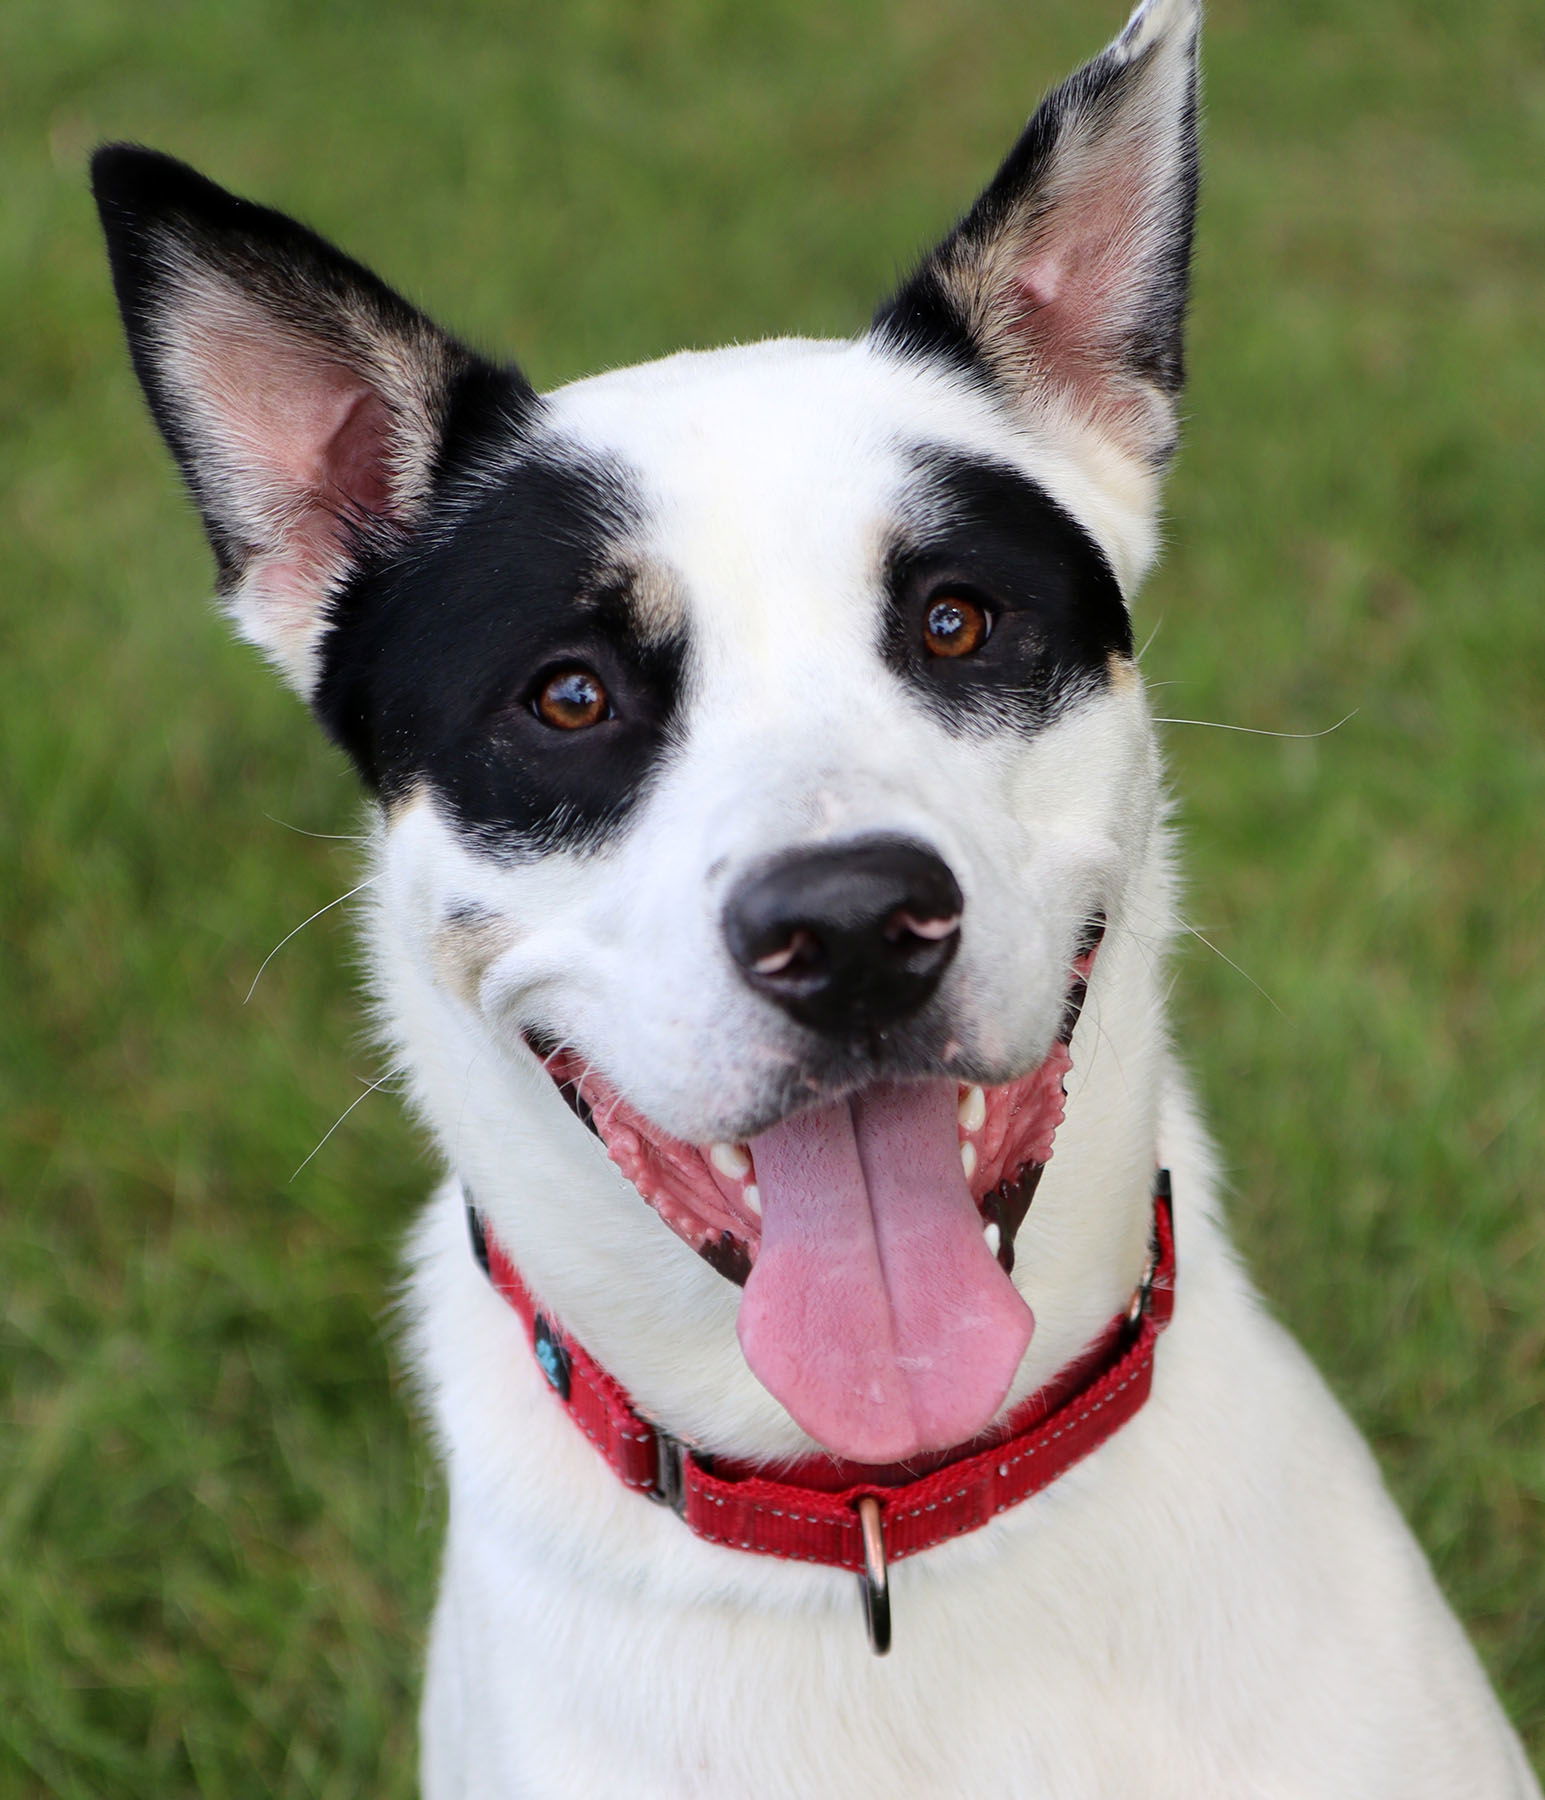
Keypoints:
(850, 1516)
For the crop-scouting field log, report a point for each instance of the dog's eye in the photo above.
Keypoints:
(571, 700)
(955, 625)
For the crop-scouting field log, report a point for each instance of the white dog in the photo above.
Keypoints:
(764, 781)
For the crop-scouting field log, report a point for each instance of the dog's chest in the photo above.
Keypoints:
(581, 1690)
(1133, 1630)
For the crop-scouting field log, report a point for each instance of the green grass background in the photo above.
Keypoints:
(217, 1522)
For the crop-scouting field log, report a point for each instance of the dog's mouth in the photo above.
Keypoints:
(873, 1236)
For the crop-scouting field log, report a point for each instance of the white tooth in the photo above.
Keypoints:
(968, 1158)
(731, 1160)
(752, 1195)
(972, 1111)
(990, 1232)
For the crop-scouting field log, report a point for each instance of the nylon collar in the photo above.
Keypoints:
(848, 1515)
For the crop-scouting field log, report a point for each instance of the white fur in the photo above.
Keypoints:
(1222, 1601)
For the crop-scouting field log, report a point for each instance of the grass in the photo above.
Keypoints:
(217, 1523)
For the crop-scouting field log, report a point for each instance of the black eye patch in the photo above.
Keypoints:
(435, 664)
(988, 534)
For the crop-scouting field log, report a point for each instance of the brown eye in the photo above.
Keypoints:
(955, 625)
(571, 700)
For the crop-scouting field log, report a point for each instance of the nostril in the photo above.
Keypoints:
(800, 952)
(903, 924)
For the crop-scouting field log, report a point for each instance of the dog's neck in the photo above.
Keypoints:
(654, 1313)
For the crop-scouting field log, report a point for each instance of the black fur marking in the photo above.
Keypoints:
(459, 600)
(923, 318)
(922, 321)
(1057, 610)
(433, 660)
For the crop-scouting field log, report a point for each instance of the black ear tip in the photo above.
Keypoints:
(130, 180)
(123, 174)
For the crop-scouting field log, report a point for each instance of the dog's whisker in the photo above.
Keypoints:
(1223, 956)
(1260, 731)
(332, 837)
(375, 1087)
(359, 889)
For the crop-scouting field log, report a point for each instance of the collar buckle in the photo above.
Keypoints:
(670, 1479)
(1141, 1303)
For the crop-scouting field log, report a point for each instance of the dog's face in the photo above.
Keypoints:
(756, 733)
(737, 678)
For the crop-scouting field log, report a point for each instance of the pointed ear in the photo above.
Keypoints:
(307, 404)
(1065, 285)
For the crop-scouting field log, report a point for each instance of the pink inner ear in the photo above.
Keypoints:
(1079, 282)
(354, 460)
(305, 442)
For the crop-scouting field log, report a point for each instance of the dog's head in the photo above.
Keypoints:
(756, 733)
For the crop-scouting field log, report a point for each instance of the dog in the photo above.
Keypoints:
(770, 861)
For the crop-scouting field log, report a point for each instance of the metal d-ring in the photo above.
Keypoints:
(874, 1580)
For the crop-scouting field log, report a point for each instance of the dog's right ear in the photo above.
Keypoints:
(307, 404)
(1064, 287)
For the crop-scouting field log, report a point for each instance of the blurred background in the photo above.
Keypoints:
(218, 1519)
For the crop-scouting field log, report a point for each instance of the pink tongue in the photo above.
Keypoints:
(875, 1311)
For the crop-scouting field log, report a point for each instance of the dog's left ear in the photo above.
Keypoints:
(1065, 285)
(308, 405)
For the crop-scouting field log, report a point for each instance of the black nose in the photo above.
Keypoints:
(848, 937)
